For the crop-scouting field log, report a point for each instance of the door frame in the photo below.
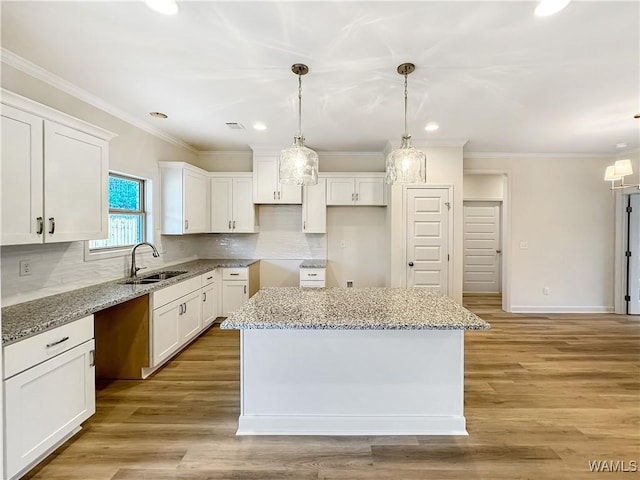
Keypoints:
(620, 247)
(505, 226)
(452, 258)
(498, 201)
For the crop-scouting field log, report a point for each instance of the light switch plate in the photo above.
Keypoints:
(524, 245)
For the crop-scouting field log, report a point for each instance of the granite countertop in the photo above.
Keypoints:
(313, 264)
(353, 309)
(30, 318)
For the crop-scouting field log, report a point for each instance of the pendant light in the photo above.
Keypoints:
(299, 164)
(406, 164)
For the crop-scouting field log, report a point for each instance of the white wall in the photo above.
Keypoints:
(357, 245)
(565, 213)
(483, 187)
(61, 267)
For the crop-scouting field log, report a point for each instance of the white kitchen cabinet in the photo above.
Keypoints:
(232, 207)
(356, 189)
(185, 198)
(53, 393)
(55, 172)
(238, 285)
(165, 337)
(210, 297)
(266, 185)
(314, 207)
(312, 277)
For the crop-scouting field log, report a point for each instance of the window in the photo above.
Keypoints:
(126, 214)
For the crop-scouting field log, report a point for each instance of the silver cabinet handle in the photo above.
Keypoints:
(245, 289)
(57, 342)
(52, 225)
(234, 224)
(40, 221)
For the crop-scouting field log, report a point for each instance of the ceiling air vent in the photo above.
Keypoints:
(235, 126)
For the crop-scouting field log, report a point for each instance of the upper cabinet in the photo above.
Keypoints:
(55, 171)
(185, 198)
(232, 207)
(266, 185)
(356, 189)
(314, 207)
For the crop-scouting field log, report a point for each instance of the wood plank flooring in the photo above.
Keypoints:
(544, 395)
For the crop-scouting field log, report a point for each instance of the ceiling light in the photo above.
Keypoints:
(234, 125)
(431, 127)
(259, 126)
(549, 7)
(299, 164)
(158, 114)
(406, 164)
(622, 168)
(166, 7)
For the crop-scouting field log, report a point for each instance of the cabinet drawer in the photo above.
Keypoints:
(235, 273)
(208, 278)
(312, 274)
(312, 283)
(169, 294)
(34, 350)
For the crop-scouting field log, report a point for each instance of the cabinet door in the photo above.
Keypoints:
(340, 191)
(21, 180)
(165, 337)
(265, 180)
(221, 204)
(314, 208)
(196, 202)
(244, 212)
(44, 404)
(290, 194)
(209, 304)
(235, 293)
(369, 191)
(190, 318)
(76, 174)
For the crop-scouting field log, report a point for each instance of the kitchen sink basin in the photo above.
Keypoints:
(153, 278)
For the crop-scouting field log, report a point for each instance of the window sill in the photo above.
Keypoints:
(91, 255)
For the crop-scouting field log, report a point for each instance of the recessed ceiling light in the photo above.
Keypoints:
(549, 7)
(234, 125)
(259, 126)
(621, 145)
(158, 114)
(431, 127)
(166, 7)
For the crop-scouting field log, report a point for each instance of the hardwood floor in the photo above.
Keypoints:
(544, 396)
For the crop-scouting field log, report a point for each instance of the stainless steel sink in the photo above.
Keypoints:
(153, 278)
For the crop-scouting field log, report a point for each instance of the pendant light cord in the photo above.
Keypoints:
(406, 133)
(299, 105)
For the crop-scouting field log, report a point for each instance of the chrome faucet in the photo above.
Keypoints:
(134, 269)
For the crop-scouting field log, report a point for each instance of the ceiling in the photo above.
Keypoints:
(488, 72)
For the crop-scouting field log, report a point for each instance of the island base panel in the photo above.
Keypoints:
(352, 382)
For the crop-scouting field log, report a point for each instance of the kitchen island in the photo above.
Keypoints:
(370, 361)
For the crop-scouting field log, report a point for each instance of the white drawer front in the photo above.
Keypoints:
(34, 350)
(208, 278)
(169, 294)
(312, 274)
(312, 283)
(235, 273)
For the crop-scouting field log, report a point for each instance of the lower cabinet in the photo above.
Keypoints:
(312, 277)
(51, 396)
(210, 297)
(238, 285)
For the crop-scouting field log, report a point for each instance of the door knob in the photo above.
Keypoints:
(411, 264)
(498, 251)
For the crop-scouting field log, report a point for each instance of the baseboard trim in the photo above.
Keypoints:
(561, 309)
(350, 425)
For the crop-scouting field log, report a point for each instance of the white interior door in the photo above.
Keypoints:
(634, 259)
(427, 238)
(482, 252)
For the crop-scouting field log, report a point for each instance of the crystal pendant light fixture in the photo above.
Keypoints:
(299, 164)
(406, 164)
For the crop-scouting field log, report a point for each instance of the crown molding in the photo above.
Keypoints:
(225, 154)
(22, 64)
(532, 155)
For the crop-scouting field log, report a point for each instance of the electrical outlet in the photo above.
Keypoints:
(546, 291)
(524, 245)
(349, 283)
(25, 267)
